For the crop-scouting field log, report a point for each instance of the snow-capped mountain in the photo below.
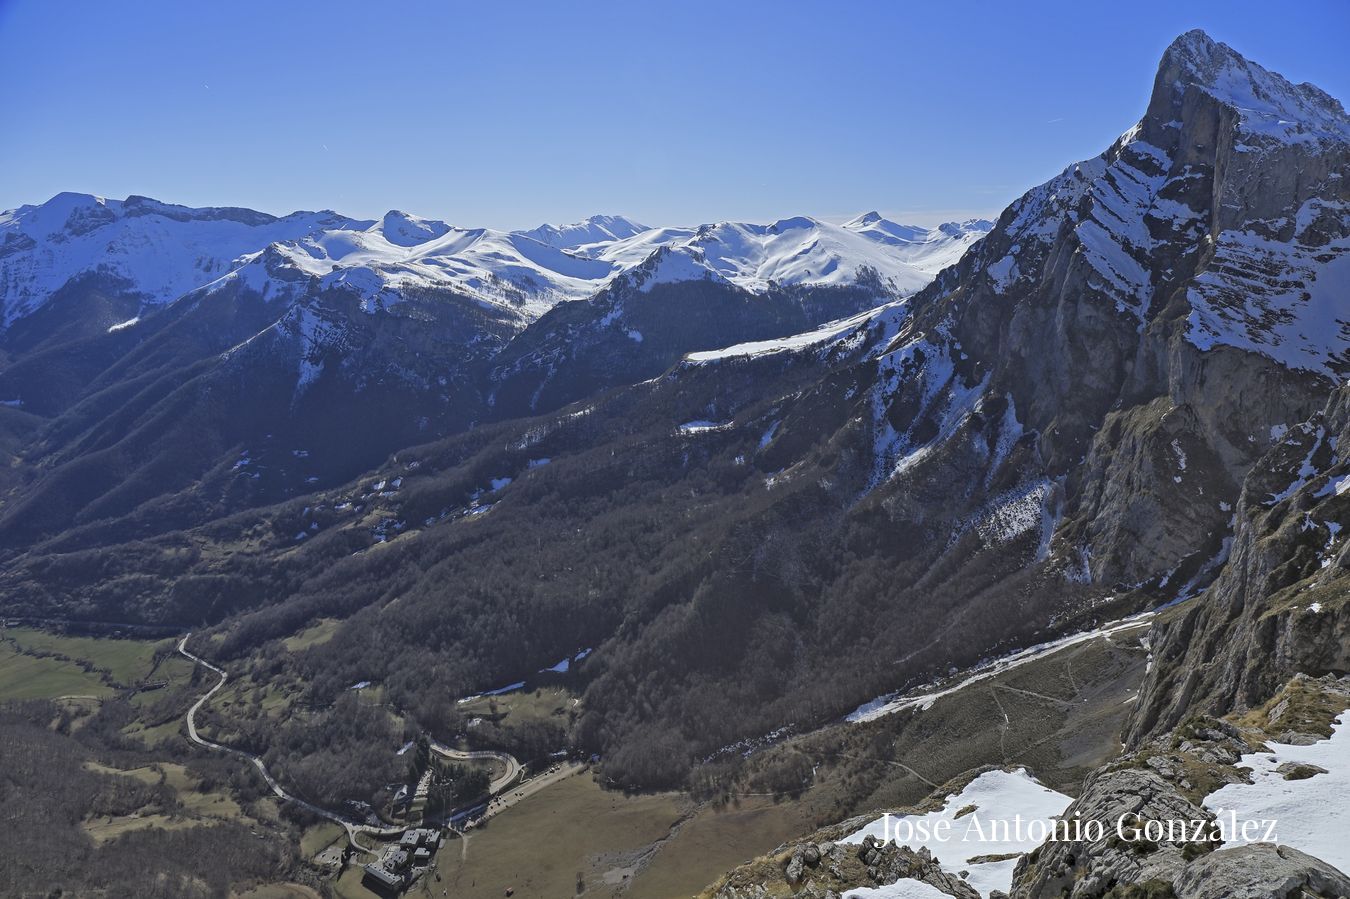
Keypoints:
(499, 268)
(160, 252)
(596, 229)
(531, 271)
(154, 249)
(1264, 266)
(430, 325)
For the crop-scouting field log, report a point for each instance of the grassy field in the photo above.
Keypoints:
(651, 846)
(113, 663)
(713, 842)
(319, 837)
(128, 662)
(198, 807)
(535, 705)
(320, 632)
(103, 830)
(348, 885)
(28, 677)
(539, 846)
(174, 669)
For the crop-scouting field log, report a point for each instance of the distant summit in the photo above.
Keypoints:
(596, 229)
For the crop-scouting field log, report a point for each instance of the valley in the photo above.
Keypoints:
(660, 844)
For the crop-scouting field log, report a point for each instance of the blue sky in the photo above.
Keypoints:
(511, 114)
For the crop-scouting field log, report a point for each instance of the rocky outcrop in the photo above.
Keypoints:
(888, 863)
(822, 869)
(1166, 781)
(1088, 870)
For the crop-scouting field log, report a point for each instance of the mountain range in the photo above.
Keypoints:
(750, 478)
(159, 252)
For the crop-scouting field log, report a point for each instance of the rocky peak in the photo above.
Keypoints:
(1266, 103)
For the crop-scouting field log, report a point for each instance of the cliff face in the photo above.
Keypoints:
(1281, 605)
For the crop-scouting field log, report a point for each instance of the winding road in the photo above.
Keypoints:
(352, 827)
(511, 773)
(499, 783)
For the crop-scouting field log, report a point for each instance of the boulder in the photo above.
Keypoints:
(1259, 871)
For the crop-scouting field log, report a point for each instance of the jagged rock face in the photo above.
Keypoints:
(1151, 314)
(1279, 607)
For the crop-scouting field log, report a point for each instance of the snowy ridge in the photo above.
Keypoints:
(596, 229)
(496, 267)
(1115, 235)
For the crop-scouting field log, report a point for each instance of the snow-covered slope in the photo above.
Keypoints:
(979, 832)
(803, 250)
(161, 250)
(930, 250)
(1310, 812)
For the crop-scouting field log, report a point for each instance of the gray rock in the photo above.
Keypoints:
(1299, 771)
(1259, 871)
(1089, 870)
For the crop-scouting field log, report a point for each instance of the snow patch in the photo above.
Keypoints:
(1010, 806)
(702, 426)
(1312, 814)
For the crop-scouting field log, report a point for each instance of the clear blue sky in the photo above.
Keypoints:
(507, 114)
